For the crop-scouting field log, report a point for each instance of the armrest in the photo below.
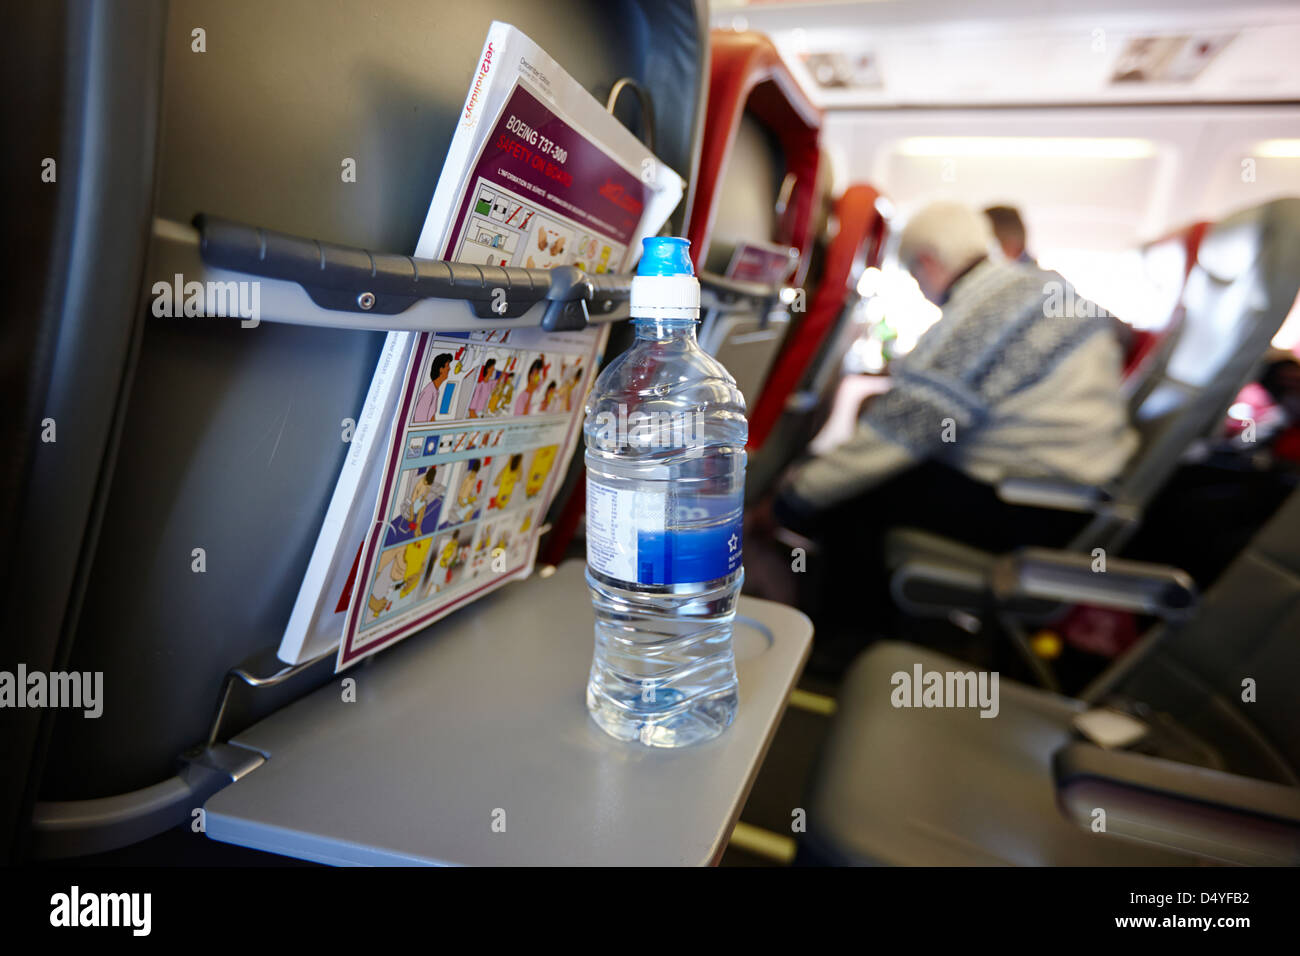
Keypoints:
(1068, 577)
(933, 576)
(937, 589)
(1207, 813)
(1059, 495)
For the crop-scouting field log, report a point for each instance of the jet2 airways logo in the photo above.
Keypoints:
(484, 69)
(75, 908)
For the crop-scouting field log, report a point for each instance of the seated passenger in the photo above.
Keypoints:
(1018, 378)
(1011, 237)
(1281, 379)
(1009, 231)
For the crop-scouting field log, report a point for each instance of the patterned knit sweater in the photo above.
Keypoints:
(1020, 377)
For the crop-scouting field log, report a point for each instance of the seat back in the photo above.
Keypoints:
(1169, 262)
(89, 102)
(806, 373)
(226, 442)
(757, 182)
(748, 190)
(1230, 675)
(1240, 290)
(747, 74)
(744, 335)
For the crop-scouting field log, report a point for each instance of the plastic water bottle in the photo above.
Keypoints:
(665, 433)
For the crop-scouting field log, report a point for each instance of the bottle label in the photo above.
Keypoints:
(630, 537)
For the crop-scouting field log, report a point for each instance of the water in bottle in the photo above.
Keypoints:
(665, 433)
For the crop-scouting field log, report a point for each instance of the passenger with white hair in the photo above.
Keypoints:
(1019, 377)
(941, 243)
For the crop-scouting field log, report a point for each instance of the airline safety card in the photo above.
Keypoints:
(538, 175)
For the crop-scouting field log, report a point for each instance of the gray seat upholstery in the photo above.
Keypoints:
(908, 544)
(944, 786)
(1236, 297)
(953, 576)
(746, 336)
(1248, 628)
(947, 786)
(748, 190)
(175, 435)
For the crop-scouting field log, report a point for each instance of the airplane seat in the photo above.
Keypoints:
(749, 191)
(757, 182)
(1245, 277)
(811, 266)
(1238, 293)
(807, 371)
(170, 525)
(1215, 779)
(821, 225)
(1149, 350)
(745, 335)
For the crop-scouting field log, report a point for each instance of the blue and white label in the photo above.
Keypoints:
(629, 538)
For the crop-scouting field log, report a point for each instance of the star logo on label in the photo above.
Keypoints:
(732, 542)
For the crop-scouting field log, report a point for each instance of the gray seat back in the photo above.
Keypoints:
(748, 189)
(1230, 675)
(745, 337)
(230, 439)
(1237, 295)
(1167, 263)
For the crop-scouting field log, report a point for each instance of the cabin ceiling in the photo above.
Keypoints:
(909, 53)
